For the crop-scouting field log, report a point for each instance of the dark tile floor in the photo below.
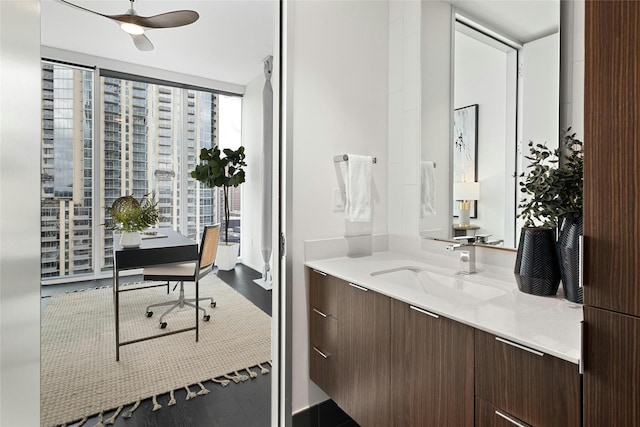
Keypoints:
(246, 404)
(325, 414)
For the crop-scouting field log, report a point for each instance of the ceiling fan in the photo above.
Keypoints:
(135, 25)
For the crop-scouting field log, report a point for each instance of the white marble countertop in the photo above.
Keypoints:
(488, 300)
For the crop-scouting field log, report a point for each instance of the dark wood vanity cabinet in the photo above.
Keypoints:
(388, 363)
(612, 349)
(349, 339)
(526, 385)
(611, 207)
(432, 369)
(323, 330)
(363, 355)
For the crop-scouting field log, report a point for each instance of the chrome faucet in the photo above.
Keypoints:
(484, 240)
(467, 253)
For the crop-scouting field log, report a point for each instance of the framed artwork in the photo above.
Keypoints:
(465, 148)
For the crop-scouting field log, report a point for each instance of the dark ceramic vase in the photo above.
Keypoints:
(537, 268)
(569, 251)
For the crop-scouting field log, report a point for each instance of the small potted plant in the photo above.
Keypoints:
(222, 169)
(130, 216)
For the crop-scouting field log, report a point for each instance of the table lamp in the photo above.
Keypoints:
(465, 192)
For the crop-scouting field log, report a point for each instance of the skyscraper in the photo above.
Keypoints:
(149, 138)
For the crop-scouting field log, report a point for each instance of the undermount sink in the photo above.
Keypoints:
(457, 288)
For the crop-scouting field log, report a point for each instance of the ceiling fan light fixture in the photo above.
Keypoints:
(131, 28)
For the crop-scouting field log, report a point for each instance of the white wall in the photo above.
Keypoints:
(481, 78)
(404, 117)
(252, 188)
(337, 103)
(572, 66)
(541, 86)
(20, 213)
(436, 110)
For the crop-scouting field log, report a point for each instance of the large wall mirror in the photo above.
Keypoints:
(504, 93)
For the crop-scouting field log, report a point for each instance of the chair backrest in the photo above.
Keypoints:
(209, 245)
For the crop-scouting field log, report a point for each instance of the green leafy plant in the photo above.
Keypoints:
(553, 185)
(129, 214)
(569, 177)
(221, 169)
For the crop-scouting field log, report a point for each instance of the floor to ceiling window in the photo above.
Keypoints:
(148, 137)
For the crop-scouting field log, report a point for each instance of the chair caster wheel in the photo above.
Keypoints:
(163, 325)
(206, 317)
(149, 313)
(213, 304)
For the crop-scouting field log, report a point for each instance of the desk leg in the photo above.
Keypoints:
(197, 309)
(116, 303)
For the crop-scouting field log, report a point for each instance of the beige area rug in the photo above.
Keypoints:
(80, 376)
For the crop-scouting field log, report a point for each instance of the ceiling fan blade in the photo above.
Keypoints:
(82, 8)
(142, 42)
(177, 18)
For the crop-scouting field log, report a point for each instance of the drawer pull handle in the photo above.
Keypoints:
(326, 356)
(319, 272)
(362, 288)
(419, 310)
(521, 347)
(511, 420)
(319, 312)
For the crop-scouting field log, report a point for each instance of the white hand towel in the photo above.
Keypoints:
(428, 191)
(358, 188)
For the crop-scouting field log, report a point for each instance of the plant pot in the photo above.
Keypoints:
(569, 252)
(227, 256)
(537, 268)
(130, 239)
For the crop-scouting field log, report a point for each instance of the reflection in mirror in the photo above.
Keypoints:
(505, 59)
(485, 75)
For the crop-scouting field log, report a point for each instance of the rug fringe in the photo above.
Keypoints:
(99, 424)
(241, 376)
(203, 390)
(235, 376)
(112, 419)
(156, 405)
(190, 394)
(223, 383)
(129, 413)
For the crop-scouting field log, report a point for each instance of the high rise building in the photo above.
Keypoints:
(149, 137)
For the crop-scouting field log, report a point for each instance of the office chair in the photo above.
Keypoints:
(189, 272)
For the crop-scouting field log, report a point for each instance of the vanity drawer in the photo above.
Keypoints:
(323, 331)
(322, 292)
(539, 389)
(488, 416)
(322, 351)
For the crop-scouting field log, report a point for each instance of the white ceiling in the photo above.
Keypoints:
(232, 37)
(524, 20)
(228, 43)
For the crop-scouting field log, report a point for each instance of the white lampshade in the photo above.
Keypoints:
(466, 190)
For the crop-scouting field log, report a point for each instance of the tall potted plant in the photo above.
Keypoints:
(222, 169)
(554, 199)
(569, 178)
(130, 216)
(537, 269)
